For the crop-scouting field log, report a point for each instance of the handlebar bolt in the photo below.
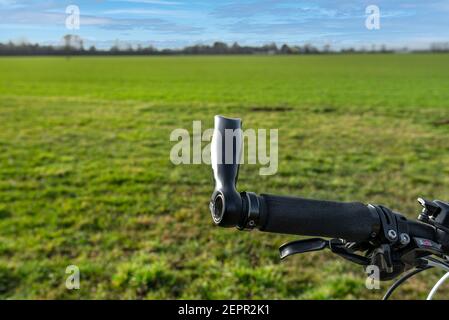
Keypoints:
(404, 239)
(392, 234)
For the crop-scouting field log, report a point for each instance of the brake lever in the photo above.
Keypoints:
(337, 246)
(302, 246)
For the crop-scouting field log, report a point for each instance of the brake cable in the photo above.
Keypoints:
(431, 263)
(437, 285)
(443, 265)
(402, 279)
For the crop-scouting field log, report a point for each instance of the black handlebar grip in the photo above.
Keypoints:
(352, 221)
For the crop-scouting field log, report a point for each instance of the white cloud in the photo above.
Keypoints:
(7, 2)
(155, 12)
(160, 2)
(11, 4)
(140, 11)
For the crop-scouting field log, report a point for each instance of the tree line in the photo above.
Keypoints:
(74, 45)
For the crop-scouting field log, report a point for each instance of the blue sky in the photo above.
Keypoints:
(176, 23)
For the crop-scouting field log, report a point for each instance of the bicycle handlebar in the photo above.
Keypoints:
(351, 221)
(389, 240)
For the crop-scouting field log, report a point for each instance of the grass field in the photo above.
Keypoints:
(86, 179)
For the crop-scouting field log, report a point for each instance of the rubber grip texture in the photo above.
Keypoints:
(352, 221)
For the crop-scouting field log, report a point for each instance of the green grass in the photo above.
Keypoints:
(86, 179)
